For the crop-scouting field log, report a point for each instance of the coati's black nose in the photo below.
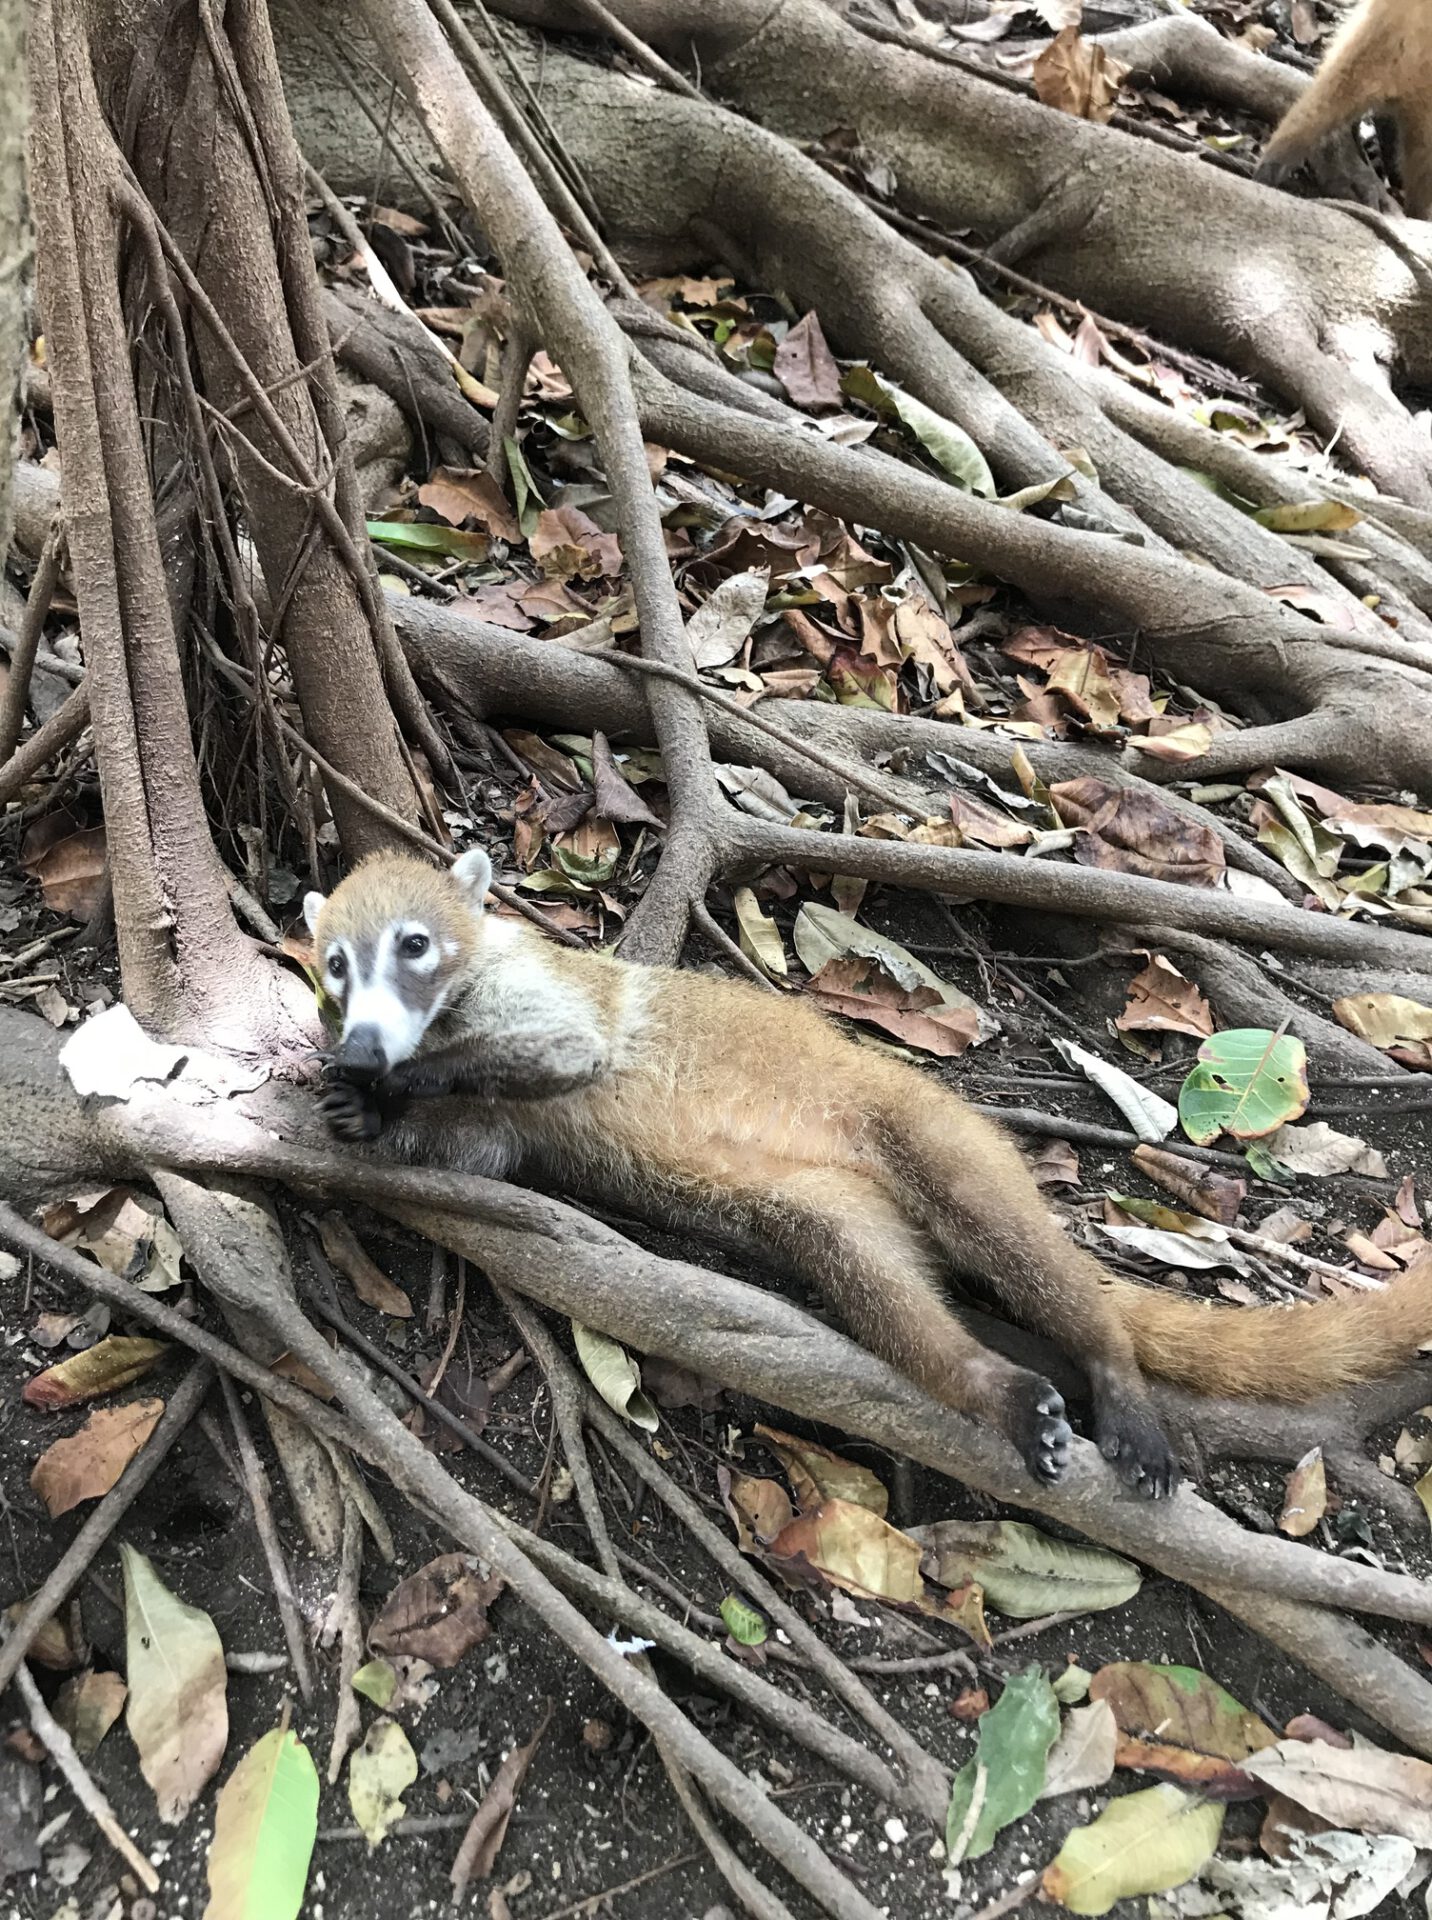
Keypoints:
(361, 1051)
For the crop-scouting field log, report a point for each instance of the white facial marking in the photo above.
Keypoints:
(412, 934)
(338, 967)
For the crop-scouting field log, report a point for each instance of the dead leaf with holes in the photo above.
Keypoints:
(1161, 1000)
(1078, 77)
(438, 1613)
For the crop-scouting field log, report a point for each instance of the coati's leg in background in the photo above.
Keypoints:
(1414, 156)
(970, 1187)
(1350, 83)
(850, 1239)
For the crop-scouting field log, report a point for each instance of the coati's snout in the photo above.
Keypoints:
(361, 1053)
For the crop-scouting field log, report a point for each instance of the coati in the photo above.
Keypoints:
(1380, 60)
(474, 1043)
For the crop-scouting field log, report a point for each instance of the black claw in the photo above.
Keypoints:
(1036, 1424)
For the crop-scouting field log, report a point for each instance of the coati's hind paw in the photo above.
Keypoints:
(1038, 1428)
(1128, 1434)
(351, 1112)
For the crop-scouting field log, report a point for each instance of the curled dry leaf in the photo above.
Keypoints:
(1305, 1499)
(114, 1362)
(1217, 1196)
(613, 796)
(1358, 1787)
(1129, 831)
(855, 1549)
(87, 1464)
(759, 936)
(483, 1840)
(438, 1613)
(1151, 1117)
(1401, 1028)
(125, 1231)
(1318, 1149)
(178, 1714)
(862, 989)
(1161, 1000)
(760, 1509)
(88, 1705)
(1176, 1722)
(1078, 77)
(615, 1375)
(367, 1279)
(467, 493)
(817, 1474)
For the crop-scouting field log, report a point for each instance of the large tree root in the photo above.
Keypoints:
(716, 1326)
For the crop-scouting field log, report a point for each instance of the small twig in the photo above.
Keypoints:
(589, 1902)
(101, 1522)
(62, 729)
(516, 358)
(61, 1750)
(416, 1827)
(256, 1486)
(16, 695)
(347, 1718)
(1007, 1902)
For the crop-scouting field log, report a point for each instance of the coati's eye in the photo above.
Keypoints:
(337, 965)
(414, 945)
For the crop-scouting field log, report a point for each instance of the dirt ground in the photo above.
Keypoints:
(596, 1814)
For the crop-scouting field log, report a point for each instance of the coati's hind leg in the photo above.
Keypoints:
(973, 1192)
(881, 1274)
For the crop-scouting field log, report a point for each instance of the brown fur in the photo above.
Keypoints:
(1381, 60)
(735, 1109)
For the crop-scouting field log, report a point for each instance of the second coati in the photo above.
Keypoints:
(1379, 63)
(471, 1042)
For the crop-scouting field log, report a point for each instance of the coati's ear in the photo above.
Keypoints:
(473, 873)
(313, 905)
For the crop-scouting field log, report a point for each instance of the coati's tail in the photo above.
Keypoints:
(1294, 1353)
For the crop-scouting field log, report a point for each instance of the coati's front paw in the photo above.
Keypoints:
(1128, 1433)
(351, 1112)
(1036, 1424)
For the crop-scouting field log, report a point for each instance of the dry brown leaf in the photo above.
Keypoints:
(818, 1475)
(114, 1362)
(983, 826)
(760, 1509)
(1305, 1499)
(1082, 677)
(806, 368)
(368, 1281)
(438, 1613)
(861, 989)
(487, 1830)
(1130, 831)
(613, 797)
(1217, 1196)
(1401, 1028)
(1055, 1165)
(1189, 742)
(1078, 77)
(1161, 1000)
(457, 494)
(85, 1465)
(855, 1549)
(1178, 1723)
(1361, 1788)
(88, 1705)
(71, 872)
(568, 542)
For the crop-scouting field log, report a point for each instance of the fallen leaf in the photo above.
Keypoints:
(177, 1713)
(1161, 1000)
(265, 1824)
(1217, 1196)
(1308, 516)
(87, 1706)
(855, 1549)
(376, 1680)
(1072, 1685)
(983, 826)
(1175, 1249)
(613, 796)
(86, 1464)
(367, 1279)
(379, 1773)
(114, 1362)
(721, 625)
(1151, 1118)
(125, 1231)
(951, 446)
(1318, 1876)
(862, 989)
(1083, 1755)
(615, 1375)
(1305, 1498)
(1400, 1027)
(1358, 1787)
(438, 1613)
(822, 934)
(71, 872)
(759, 936)
(1142, 1843)
(567, 542)
(1006, 1775)
(970, 1704)
(417, 536)
(817, 1474)
(1025, 1573)
(1127, 830)
(806, 368)
(1248, 1082)
(1318, 1149)
(1188, 742)
(469, 493)
(673, 1386)
(487, 1830)
(1082, 675)
(1055, 1164)
(1077, 76)
(760, 1509)
(746, 1626)
(1176, 1722)
(758, 793)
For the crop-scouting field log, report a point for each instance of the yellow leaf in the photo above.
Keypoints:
(1143, 1843)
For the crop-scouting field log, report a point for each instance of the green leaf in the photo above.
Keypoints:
(1072, 1686)
(951, 446)
(418, 537)
(759, 935)
(1023, 1572)
(1005, 1777)
(177, 1712)
(745, 1626)
(1248, 1082)
(1144, 1843)
(265, 1824)
(379, 1772)
(587, 871)
(615, 1375)
(377, 1681)
(529, 501)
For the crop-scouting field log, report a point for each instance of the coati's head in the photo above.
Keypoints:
(391, 942)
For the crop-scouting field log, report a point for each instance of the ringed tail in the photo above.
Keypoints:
(1293, 1353)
